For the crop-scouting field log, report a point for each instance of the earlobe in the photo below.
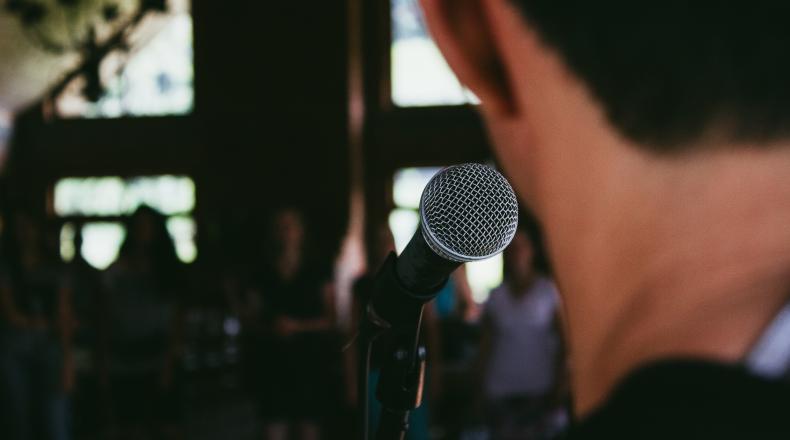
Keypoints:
(462, 29)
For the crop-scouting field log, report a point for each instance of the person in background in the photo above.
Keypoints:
(85, 284)
(142, 322)
(380, 244)
(292, 317)
(36, 367)
(521, 356)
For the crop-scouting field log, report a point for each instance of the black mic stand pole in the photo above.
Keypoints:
(400, 386)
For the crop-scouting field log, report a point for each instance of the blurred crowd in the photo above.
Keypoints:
(152, 348)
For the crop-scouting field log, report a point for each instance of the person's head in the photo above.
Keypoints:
(519, 260)
(651, 139)
(147, 236)
(596, 108)
(288, 229)
(148, 243)
(663, 78)
(145, 224)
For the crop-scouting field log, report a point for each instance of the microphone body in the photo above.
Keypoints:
(467, 213)
(420, 269)
(403, 284)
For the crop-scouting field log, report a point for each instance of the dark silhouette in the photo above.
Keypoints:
(290, 315)
(36, 362)
(142, 322)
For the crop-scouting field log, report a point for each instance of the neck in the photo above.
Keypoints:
(691, 261)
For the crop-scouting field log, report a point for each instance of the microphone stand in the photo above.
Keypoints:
(400, 386)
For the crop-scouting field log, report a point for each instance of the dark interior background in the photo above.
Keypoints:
(289, 99)
(292, 108)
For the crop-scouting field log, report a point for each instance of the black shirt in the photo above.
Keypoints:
(686, 399)
(299, 297)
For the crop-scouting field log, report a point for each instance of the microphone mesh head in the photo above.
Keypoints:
(468, 212)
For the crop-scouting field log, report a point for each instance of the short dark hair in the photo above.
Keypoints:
(670, 72)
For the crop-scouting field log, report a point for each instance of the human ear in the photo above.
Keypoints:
(462, 29)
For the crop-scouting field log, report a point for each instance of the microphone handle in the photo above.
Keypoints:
(420, 270)
(401, 288)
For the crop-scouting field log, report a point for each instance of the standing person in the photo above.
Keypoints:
(651, 141)
(142, 323)
(521, 351)
(36, 367)
(293, 319)
(84, 281)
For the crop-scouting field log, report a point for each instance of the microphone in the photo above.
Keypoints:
(468, 212)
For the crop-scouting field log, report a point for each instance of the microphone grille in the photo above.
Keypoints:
(468, 212)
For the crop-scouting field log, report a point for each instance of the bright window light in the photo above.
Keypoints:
(107, 196)
(403, 223)
(182, 229)
(101, 242)
(67, 233)
(155, 79)
(484, 276)
(420, 76)
(408, 184)
(167, 194)
(97, 197)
